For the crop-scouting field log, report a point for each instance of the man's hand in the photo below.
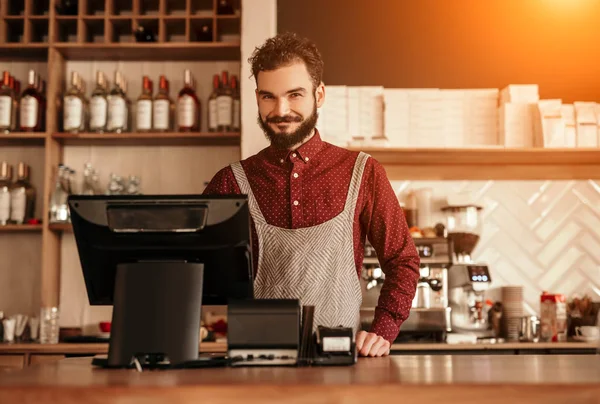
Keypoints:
(370, 344)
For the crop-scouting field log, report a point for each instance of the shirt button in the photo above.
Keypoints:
(295, 175)
(281, 161)
(296, 203)
(293, 154)
(305, 158)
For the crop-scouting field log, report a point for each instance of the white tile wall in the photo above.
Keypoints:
(544, 235)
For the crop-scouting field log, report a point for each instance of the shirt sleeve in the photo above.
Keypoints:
(387, 230)
(223, 183)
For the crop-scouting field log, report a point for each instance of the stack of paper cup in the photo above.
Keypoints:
(512, 302)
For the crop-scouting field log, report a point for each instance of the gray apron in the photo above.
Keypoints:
(313, 264)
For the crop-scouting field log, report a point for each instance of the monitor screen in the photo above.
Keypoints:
(213, 230)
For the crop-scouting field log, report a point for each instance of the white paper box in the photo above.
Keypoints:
(520, 93)
(568, 114)
(587, 127)
(515, 125)
(550, 123)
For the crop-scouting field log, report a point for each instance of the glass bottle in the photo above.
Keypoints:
(213, 125)
(98, 105)
(188, 105)
(59, 211)
(73, 107)
(224, 7)
(236, 119)
(7, 98)
(143, 119)
(22, 197)
(163, 107)
(16, 103)
(224, 105)
(30, 106)
(5, 186)
(117, 106)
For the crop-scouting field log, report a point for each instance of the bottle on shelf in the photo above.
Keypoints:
(205, 33)
(99, 105)
(43, 102)
(91, 182)
(59, 210)
(74, 106)
(163, 107)
(30, 117)
(67, 7)
(224, 7)
(224, 104)
(16, 86)
(236, 119)
(188, 105)
(7, 99)
(22, 196)
(5, 187)
(117, 106)
(213, 124)
(143, 121)
(144, 34)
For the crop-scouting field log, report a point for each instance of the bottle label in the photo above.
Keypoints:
(29, 112)
(73, 112)
(117, 112)
(161, 114)
(186, 112)
(4, 205)
(18, 200)
(224, 110)
(5, 111)
(97, 112)
(236, 114)
(144, 114)
(213, 122)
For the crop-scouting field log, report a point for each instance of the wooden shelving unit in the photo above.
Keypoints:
(105, 29)
(60, 227)
(488, 163)
(162, 138)
(33, 35)
(21, 228)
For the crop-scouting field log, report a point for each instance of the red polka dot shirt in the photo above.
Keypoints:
(308, 186)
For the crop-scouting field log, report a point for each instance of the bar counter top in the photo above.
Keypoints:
(102, 348)
(422, 379)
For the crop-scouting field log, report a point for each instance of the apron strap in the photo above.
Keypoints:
(354, 188)
(242, 181)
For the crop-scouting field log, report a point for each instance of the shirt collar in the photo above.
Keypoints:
(305, 152)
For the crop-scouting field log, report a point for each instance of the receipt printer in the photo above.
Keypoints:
(263, 332)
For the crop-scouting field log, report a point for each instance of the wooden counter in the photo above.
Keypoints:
(18, 356)
(422, 379)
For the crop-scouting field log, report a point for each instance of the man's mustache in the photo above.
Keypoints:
(282, 119)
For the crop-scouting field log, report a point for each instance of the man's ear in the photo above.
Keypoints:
(320, 95)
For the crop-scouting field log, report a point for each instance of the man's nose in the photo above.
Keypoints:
(283, 107)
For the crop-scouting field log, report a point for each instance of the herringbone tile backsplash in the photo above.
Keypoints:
(543, 235)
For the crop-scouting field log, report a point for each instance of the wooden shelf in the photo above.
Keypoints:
(14, 51)
(61, 227)
(487, 163)
(138, 138)
(21, 228)
(22, 138)
(150, 51)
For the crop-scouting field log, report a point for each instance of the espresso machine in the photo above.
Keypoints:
(468, 281)
(429, 319)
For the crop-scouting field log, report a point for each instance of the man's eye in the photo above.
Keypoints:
(296, 95)
(267, 97)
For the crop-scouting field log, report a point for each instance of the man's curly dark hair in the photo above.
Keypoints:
(285, 49)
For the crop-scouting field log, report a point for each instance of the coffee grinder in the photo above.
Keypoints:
(467, 280)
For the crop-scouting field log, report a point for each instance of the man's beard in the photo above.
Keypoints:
(285, 140)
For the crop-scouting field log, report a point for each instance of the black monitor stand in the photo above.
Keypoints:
(156, 315)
